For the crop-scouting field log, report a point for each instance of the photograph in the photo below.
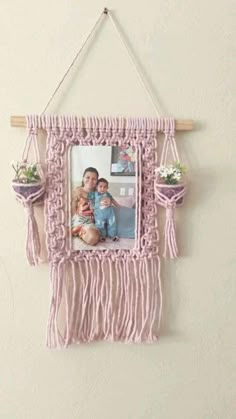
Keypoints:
(123, 161)
(102, 207)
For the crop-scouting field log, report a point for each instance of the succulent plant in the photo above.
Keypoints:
(26, 172)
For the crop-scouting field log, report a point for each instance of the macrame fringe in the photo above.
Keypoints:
(121, 302)
(170, 235)
(33, 247)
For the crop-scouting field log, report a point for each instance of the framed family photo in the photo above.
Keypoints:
(101, 203)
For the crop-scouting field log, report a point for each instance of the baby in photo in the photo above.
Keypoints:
(104, 216)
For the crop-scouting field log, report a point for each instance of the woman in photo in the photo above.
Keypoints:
(82, 214)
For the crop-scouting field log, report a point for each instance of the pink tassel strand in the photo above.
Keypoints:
(32, 237)
(140, 307)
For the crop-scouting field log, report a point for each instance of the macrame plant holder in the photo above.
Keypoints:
(30, 193)
(169, 196)
(112, 294)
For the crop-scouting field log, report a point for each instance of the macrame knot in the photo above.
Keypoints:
(170, 209)
(28, 208)
(33, 131)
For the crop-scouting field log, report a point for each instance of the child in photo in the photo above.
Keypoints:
(104, 216)
(83, 216)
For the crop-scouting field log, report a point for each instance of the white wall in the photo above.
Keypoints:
(185, 49)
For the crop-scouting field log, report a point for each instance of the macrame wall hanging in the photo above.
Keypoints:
(103, 253)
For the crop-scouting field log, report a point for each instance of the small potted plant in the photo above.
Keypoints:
(27, 181)
(169, 180)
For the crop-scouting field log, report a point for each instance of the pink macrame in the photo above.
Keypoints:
(30, 193)
(101, 295)
(169, 196)
(104, 294)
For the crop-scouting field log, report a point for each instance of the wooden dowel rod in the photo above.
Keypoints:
(180, 124)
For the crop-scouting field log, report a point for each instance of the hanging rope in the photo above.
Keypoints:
(106, 12)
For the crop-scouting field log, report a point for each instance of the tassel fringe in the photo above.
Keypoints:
(121, 302)
(170, 235)
(32, 237)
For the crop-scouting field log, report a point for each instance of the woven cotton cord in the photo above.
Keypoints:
(169, 146)
(166, 200)
(30, 193)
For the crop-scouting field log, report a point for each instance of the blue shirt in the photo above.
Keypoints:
(96, 197)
